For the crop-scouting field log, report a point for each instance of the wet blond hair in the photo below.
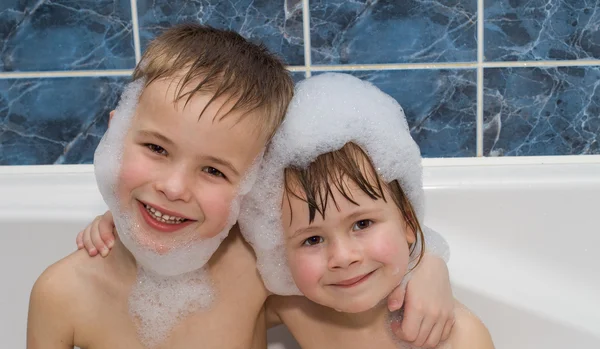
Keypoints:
(224, 64)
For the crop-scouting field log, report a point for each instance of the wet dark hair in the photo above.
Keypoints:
(334, 171)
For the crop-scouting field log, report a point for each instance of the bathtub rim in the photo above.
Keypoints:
(54, 191)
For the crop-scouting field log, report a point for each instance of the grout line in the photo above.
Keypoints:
(402, 66)
(455, 65)
(65, 74)
(308, 68)
(524, 64)
(88, 73)
(480, 90)
(296, 68)
(136, 31)
(306, 36)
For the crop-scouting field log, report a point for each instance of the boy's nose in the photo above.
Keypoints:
(343, 253)
(175, 186)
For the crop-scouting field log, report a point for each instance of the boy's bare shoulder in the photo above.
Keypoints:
(55, 300)
(63, 277)
(468, 331)
(69, 282)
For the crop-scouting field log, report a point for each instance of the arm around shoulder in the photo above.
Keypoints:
(271, 314)
(469, 332)
(49, 323)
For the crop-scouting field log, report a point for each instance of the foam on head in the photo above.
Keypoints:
(327, 112)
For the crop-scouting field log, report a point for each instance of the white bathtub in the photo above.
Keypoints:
(524, 235)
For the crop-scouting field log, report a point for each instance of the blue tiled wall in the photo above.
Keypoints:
(64, 63)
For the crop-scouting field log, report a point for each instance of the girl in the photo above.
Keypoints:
(335, 217)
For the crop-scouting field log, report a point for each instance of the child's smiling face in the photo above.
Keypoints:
(355, 256)
(180, 173)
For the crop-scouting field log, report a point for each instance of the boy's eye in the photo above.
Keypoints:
(363, 224)
(156, 148)
(313, 240)
(213, 172)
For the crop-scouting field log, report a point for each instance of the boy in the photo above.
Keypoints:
(210, 102)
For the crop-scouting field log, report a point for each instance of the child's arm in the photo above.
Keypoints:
(271, 316)
(98, 235)
(428, 301)
(49, 323)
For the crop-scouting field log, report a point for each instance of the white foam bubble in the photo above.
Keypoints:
(327, 112)
(435, 244)
(158, 303)
(109, 153)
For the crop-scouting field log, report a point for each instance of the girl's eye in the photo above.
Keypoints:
(213, 172)
(313, 240)
(156, 149)
(363, 224)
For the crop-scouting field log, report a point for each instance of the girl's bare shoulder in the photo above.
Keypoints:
(468, 331)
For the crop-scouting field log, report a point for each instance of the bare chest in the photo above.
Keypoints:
(217, 327)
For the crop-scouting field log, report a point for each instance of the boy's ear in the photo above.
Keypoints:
(110, 116)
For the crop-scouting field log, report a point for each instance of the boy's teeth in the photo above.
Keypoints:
(156, 214)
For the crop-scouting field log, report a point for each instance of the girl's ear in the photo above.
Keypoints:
(411, 234)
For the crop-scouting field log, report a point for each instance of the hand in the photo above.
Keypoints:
(428, 305)
(98, 235)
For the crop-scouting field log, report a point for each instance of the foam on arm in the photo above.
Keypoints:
(435, 244)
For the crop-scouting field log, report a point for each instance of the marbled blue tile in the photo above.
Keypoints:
(65, 35)
(440, 107)
(392, 31)
(541, 30)
(542, 111)
(55, 120)
(298, 76)
(276, 23)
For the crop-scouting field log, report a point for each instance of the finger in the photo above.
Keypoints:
(396, 299)
(447, 329)
(79, 240)
(87, 243)
(424, 332)
(96, 240)
(434, 337)
(105, 227)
